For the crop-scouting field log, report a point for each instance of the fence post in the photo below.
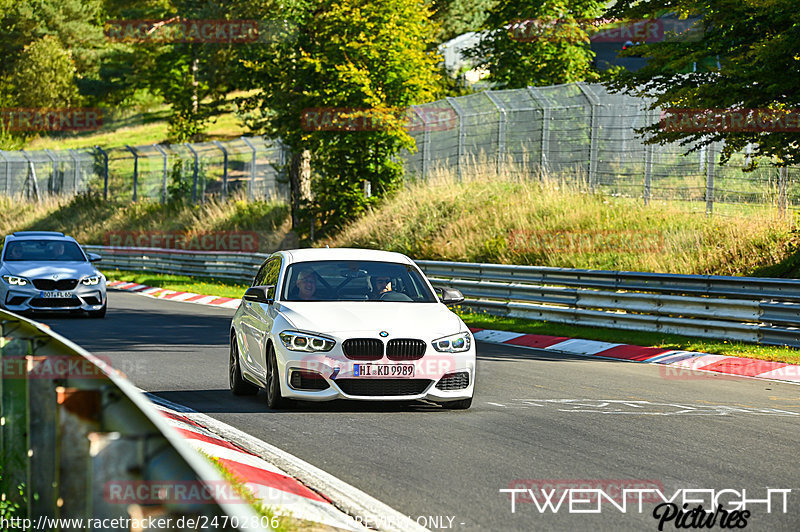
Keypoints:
(219, 145)
(502, 127)
(710, 161)
(593, 147)
(163, 152)
(51, 185)
(32, 174)
(135, 170)
(252, 181)
(426, 139)
(105, 171)
(8, 169)
(783, 174)
(546, 116)
(195, 172)
(76, 170)
(648, 164)
(461, 134)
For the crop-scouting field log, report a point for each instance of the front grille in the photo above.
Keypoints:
(308, 380)
(454, 381)
(16, 300)
(363, 349)
(51, 302)
(49, 284)
(376, 387)
(405, 349)
(91, 300)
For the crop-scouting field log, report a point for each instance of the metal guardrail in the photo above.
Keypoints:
(73, 428)
(748, 309)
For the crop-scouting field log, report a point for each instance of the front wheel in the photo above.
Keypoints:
(238, 385)
(99, 313)
(274, 398)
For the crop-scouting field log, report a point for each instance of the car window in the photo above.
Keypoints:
(43, 251)
(355, 281)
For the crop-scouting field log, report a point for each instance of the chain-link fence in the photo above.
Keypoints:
(246, 166)
(576, 131)
(582, 132)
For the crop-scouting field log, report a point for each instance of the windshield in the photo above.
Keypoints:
(43, 251)
(355, 281)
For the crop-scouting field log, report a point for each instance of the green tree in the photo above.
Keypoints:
(538, 42)
(755, 44)
(44, 76)
(345, 54)
(455, 17)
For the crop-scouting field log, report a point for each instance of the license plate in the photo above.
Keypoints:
(48, 295)
(383, 370)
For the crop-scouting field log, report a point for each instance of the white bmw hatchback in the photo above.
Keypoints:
(324, 324)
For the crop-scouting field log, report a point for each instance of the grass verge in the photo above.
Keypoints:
(488, 321)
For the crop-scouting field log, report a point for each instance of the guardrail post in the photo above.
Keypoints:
(546, 118)
(251, 183)
(105, 170)
(502, 127)
(135, 170)
(219, 145)
(462, 133)
(710, 161)
(594, 103)
(783, 175)
(195, 172)
(165, 157)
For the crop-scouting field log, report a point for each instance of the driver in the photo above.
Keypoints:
(380, 285)
(306, 284)
(59, 251)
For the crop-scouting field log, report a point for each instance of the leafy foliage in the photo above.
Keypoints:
(560, 54)
(349, 54)
(455, 17)
(754, 44)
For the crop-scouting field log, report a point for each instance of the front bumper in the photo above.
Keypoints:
(29, 299)
(437, 377)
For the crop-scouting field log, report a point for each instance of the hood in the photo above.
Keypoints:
(400, 320)
(38, 270)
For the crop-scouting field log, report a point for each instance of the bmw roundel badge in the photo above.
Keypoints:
(384, 334)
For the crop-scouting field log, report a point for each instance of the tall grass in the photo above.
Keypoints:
(549, 220)
(89, 218)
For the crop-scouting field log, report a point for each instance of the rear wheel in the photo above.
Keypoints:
(238, 385)
(461, 404)
(274, 398)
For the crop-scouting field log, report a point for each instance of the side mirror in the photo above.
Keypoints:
(94, 257)
(449, 296)
(261, 294)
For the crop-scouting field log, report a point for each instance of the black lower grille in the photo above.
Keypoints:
(92, 300)
(405, 349)
(363, 349)
(50, 284)
(376, 387)
(308, 380)
(51, 302)
(454, 381)
(16, 300)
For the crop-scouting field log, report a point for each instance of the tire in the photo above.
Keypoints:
(461, 404)
(274, 398)
(238, 385)
(99, 314)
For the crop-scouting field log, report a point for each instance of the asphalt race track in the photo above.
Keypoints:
(536, 416)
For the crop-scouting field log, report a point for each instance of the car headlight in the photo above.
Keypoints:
(297, 341)
(14, 280)
(91, 281)
(455, 343)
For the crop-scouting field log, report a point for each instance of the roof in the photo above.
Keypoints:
(314, 254)
(39, 235)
